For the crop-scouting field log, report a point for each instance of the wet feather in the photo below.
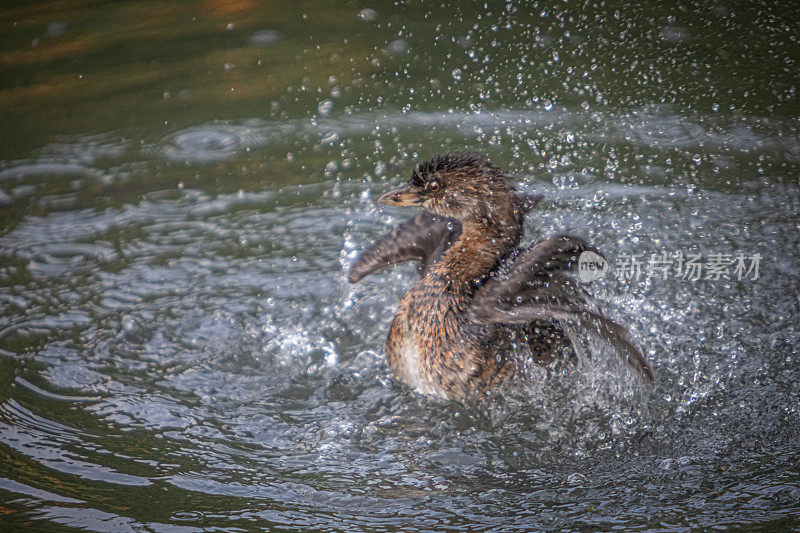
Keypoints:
(455, 331)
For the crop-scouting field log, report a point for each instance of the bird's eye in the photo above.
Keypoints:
(433, 186)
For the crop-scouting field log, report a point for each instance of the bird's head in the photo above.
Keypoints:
(462, 185)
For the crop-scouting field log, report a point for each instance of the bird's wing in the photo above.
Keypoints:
(528, 201)
(535, 285)
(423, 238)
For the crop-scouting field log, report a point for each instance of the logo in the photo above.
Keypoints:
(591, 266)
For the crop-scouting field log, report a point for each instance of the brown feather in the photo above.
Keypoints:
(455, 330)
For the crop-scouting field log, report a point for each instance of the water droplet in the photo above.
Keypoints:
(397, 48)
(264, 38)
(576, 479)
(330, 137)
(56, 28)
(368, 15)
(325, 107)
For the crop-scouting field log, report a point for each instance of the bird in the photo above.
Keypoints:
(480, 296)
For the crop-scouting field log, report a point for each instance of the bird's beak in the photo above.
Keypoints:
(401, 196)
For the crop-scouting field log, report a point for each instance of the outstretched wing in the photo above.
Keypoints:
(534, 286)
(423, 238)
(527, 201)
(538, 270)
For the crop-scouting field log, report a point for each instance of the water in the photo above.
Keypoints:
(184, 189)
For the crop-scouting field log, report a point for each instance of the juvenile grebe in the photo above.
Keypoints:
(480, 295)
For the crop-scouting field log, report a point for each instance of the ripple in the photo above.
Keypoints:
(52, 395)
(210, 143)
(656, 126)
(43, 441)
(57, 259)
(45, 169)
(224, 353)
(20, 488)
(660, 131)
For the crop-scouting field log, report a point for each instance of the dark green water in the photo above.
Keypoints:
(184, 185)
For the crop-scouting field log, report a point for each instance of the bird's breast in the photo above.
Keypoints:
(428, 346)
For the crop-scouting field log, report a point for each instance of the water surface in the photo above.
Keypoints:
(184, 187)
